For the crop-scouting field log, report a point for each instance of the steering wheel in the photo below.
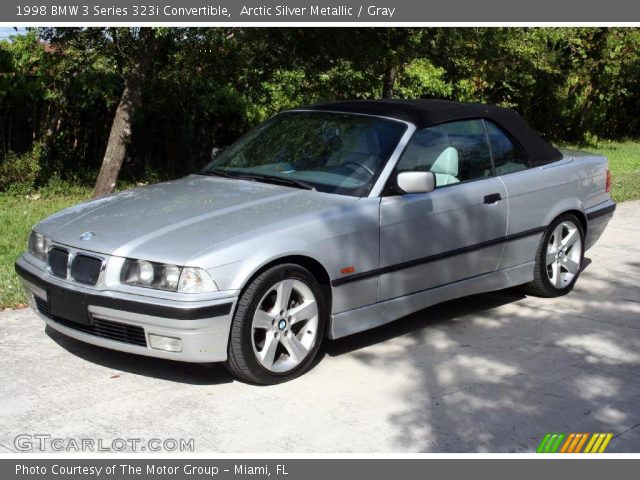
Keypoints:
(358, 165)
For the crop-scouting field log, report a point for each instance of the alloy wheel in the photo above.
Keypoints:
(564, 253)
(285, 325)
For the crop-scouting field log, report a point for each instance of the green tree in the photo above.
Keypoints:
(144, 104)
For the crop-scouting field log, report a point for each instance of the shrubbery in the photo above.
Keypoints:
(19, 173)
(210, 85)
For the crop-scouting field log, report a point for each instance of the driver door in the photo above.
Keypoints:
(433, 239)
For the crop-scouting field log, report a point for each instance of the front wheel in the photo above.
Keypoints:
(559, 258)
(278, 326)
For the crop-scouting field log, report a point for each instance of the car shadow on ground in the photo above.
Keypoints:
(565, 364)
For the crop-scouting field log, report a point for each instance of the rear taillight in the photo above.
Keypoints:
(607, 186)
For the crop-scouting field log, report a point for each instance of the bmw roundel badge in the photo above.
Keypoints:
(87, 236)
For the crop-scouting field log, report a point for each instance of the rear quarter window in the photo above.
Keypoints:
(507, 156)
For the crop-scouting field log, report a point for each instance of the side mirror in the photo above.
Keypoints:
(416, 182)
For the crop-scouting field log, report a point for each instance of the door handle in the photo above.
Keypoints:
(492, 198)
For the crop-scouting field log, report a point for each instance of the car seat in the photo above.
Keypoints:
(445, 167)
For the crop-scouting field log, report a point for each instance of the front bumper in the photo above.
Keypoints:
(124, 321)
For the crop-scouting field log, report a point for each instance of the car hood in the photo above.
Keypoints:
(172, 222)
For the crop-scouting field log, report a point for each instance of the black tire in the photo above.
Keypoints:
(242, 361)
(541, 285)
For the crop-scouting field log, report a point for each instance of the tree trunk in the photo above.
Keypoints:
(120, 133)
(10, 132)
(390, 76)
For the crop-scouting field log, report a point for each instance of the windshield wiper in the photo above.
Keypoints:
(261, 177)
(217, 173)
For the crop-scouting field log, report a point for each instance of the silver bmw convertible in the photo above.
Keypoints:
(324, 221)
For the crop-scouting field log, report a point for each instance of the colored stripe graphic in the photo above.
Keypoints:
(550, 443)
(598, 442)
(576, 444)
(573, 442)
(606, 441)
(581, 443)
(570, 439)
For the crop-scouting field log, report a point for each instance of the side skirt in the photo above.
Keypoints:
(371, 316)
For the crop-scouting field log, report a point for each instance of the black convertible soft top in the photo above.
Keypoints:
(427, 113)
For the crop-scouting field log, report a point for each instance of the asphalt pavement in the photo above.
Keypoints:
(488, 373)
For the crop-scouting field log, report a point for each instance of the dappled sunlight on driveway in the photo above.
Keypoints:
(597, 348)
(472, 367)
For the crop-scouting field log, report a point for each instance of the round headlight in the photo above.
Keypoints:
(145, 272)
(171, 276)
(162, 276)
(38, 245)
(150, 274)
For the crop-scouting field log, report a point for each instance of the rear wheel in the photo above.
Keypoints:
(278, 326)
(559, 258)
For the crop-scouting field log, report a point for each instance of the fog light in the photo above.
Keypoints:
(168, 344)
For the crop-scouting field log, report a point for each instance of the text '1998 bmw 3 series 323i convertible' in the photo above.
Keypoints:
(324, 221)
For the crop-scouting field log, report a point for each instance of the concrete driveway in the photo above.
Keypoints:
(489, 373)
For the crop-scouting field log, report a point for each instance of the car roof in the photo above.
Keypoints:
(427, 113)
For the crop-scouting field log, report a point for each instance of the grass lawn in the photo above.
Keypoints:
(19, 213)
(624, 162)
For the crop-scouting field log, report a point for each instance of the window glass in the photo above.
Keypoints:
(507, 157)
(455, 152)
(333, 152)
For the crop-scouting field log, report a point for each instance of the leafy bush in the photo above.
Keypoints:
(19, 173)
(55, 186)
(208, 86)
(420, 79)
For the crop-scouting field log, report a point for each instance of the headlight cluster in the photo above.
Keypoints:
(39, 245)
(166, 277)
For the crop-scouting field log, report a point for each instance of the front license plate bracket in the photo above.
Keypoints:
(69, 305)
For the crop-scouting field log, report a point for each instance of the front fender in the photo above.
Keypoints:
(347, 236)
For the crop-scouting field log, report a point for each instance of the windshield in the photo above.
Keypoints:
(331, 152)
